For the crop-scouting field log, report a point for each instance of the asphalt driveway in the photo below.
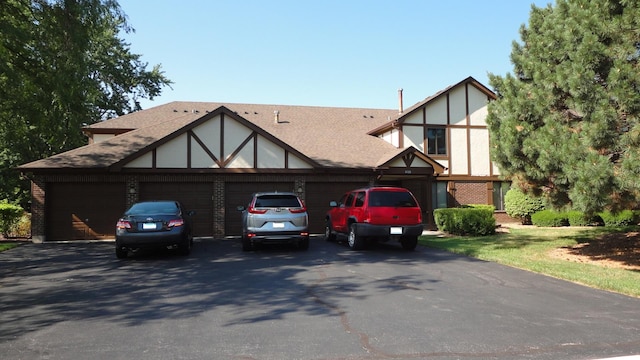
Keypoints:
(77, 301)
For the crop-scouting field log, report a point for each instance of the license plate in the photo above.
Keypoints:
(148, 226)
(278, 225)
(395, 231)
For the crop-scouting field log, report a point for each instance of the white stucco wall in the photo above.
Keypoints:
(480, 159)
(477, 107)
(270, 155)
(459, 154)
(101, 137)
(436, 111)
(414, 136)
(458, 106)
(173, 154)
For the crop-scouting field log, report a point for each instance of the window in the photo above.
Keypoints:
(439, 195)
(500, 188)
(349, 201)
(360, 199)
(391, 199)
(436, 141)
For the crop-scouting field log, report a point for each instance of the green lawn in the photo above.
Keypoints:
(529, 248)
(8, 245)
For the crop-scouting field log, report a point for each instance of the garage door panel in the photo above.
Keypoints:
(193, 196)
(83, 211)
(237, 194)
(318, 196)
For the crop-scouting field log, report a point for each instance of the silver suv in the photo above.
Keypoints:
(274, 218)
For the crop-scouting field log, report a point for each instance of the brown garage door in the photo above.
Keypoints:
(318, 196)
(239, 194)
(83, 211)
(193, 196)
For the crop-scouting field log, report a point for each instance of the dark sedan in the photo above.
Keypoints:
(154, 224)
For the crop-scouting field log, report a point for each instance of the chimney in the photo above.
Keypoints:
(277, 116)
(400, 108)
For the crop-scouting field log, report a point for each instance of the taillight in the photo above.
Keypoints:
(123, 224)
(297, 210)
(175, 222)
(253, 210)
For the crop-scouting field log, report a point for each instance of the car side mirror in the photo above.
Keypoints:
(240, 208)
(333, 204)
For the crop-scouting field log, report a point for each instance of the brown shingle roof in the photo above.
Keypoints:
(331, 137)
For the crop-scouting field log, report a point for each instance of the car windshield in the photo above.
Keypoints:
(280, 201)
(160, 207)
(391, 199)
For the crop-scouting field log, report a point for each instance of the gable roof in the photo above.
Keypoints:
(324, 137)
(399, 118)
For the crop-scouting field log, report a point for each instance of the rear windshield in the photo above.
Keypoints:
(391, 199)
(160, 207)
(283, 201)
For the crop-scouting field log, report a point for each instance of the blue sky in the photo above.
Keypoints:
(339, 53)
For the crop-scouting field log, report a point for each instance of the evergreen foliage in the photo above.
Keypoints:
(521, 206)
(566, 122)
(62, 66)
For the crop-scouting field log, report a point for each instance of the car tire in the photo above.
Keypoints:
(355, 242)
(409, 243)
(329, 235)
(246, 244)
(121, 253)
(185, 247)
(304, 244)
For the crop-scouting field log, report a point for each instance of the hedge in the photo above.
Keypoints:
(472, 220)
(9, 217)
(550, 218)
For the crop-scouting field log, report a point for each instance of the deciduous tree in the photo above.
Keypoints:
(62, 65)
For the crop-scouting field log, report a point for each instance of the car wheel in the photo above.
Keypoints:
(246, 244)
(409, 243)
(185, 247)
(355, 242)
(121, 253)
(304, 244)
(328, 233)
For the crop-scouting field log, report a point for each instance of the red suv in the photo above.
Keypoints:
(375, 214)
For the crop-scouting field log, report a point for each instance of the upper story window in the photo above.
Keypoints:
(436, 141)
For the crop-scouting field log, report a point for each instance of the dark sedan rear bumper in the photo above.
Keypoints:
(159, 239)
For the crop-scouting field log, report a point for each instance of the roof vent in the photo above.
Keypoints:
(276, 115)
(400, 107)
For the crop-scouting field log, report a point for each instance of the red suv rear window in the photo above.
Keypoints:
(391, 199)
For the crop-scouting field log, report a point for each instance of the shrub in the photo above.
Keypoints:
(475, 221)
(622, 218)
(578, 218)
(550, 218)
(521, 206)
(9, 217)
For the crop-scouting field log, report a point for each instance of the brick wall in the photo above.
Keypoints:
(37, 210)
(468, 192)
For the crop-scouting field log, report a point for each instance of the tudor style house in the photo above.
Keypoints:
(213, 156)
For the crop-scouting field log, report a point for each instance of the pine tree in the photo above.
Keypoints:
(566, 124)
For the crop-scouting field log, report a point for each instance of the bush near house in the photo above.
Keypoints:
(474, 220)
(622, 218)
(521, 206)
(9, 217)
(550, 218)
